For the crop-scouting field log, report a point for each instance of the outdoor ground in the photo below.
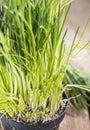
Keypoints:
(80, 12)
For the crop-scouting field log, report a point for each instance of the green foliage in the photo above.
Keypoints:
(33, 56)
(80, 83)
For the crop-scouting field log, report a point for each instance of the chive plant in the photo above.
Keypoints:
(33, 57)
(74, 76)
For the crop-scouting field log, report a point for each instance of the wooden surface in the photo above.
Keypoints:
(75, 121)
(78, 16)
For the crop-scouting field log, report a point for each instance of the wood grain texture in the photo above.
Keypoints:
(78, 16)
(74, 120)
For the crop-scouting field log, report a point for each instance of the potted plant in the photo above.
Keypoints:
(33, 62)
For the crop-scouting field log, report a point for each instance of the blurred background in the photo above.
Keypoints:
(78, 16)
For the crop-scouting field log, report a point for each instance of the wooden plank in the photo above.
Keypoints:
(80, 120)
(75, 120)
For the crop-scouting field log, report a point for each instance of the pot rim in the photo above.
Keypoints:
(50, 123)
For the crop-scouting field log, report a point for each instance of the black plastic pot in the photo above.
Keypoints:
(48, 125)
